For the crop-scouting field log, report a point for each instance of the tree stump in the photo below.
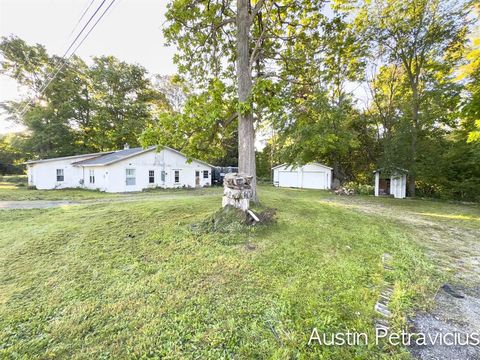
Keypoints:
(237, 191)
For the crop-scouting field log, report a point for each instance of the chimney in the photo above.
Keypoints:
(126, 146)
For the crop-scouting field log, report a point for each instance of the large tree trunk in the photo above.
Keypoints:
(246, 131)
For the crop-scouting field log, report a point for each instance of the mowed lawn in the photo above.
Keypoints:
(134, 280)
(14, 188)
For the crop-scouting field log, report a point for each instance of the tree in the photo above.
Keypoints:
(203, 128)
(124, 102)
(45, 113)
(470, 72)
(315, 123)
(213, 35)
(84, 108)
(10, 154)
(421, 36)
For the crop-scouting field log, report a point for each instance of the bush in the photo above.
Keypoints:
(361, 189)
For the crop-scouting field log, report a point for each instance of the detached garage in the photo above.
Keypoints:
(309, 176)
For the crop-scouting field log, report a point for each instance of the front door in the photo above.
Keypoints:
(197, 178)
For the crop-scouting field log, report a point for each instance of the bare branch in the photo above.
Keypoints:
(256, 9)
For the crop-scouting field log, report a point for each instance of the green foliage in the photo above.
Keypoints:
(316, 122)
(360, 189)
(85, 108)
(264, 164)
(204, 128)
(10, 155)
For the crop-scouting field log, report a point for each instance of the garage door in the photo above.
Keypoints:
(314, 180)
(287, 179)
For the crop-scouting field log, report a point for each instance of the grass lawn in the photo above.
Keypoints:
(123, 280)
(132, 279)
(14, 188)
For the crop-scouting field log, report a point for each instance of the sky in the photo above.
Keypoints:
(131, 31)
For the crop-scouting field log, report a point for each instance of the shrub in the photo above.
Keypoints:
(361, 189)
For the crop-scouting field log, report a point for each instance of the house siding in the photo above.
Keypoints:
(44, 174)
(112, 178)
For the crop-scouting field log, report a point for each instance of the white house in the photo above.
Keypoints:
(309, 176)
(120, 171)
(394, 183)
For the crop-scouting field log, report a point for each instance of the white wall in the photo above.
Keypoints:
(310, 176)
(113, 177)
(43, 175)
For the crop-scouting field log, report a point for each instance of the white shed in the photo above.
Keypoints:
(309, 176)
(394, 183)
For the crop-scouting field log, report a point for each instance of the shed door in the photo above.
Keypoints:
(314, 180)
(288, 178)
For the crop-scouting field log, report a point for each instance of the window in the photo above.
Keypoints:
(205, 174)
(130, 177)
(151, 176)
(60, 176)
(177, 176)
(92, 176)
(162, 176)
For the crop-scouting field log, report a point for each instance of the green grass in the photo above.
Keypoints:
(14, 188)
(126, 280)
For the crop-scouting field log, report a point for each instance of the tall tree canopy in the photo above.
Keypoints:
(239, 44)
(424, 38)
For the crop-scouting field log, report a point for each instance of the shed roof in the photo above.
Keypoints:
(296, 165)
(396, 168)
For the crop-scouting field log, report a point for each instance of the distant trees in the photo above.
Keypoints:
(424, 38)
(11, 154)
(84, 108)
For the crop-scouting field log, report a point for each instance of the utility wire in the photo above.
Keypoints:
(76, 48)
(64, 62)
(83, 29)
(81, 17)
(93, 27)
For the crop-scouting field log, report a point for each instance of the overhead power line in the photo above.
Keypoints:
(81, 17)
(64, 61)
(93, 27)
(83, 29)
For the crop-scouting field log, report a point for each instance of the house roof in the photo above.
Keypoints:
(114, 157)
(119, 155)
(294, 165)
(66, 158)
(110, 157)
